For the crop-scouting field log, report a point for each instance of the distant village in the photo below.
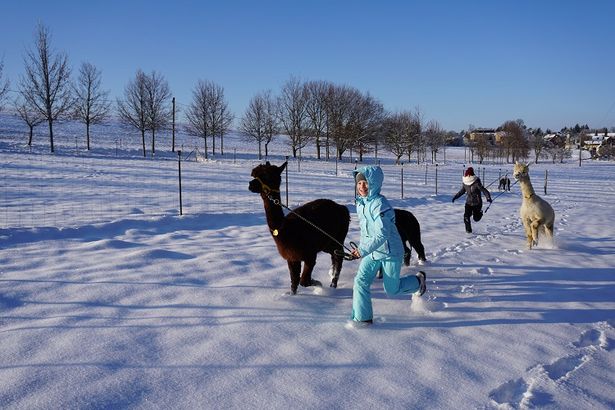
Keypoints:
(599, 143)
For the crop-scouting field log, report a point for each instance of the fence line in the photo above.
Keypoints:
(66, 191)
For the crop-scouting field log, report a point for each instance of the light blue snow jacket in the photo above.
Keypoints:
(379, 235)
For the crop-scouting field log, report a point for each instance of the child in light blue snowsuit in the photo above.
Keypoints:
(380, 246)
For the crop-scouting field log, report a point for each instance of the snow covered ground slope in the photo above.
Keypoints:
(110, 299)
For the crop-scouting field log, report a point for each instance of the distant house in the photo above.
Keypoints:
(555, 140)
(607, 148)
(490, 135)
(599, 143)
(482, 134)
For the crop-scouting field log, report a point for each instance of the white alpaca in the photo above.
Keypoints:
(536, 213)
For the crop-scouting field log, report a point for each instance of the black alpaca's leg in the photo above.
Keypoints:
(418, 247)
(294, 267)
(306, 275)
(336, 268)
(407, 254)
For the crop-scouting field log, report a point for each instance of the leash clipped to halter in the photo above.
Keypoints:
(496, 197)
(347, 255)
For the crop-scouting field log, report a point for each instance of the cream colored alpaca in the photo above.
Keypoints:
(536, 213)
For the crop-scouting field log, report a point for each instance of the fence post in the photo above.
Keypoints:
(546, 177)
(436, 179)
(355, 182)
(286, 180)
(173, 126)
(402, 180)
(336, 165)
(179, 168)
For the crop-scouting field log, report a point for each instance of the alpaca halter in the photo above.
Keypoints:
(266, 188)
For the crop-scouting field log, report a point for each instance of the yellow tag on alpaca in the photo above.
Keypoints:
(275, 232)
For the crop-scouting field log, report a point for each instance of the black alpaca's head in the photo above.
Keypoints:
(267, 177)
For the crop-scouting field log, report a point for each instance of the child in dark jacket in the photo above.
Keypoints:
(472, 187)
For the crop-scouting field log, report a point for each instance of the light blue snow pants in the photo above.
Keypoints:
(393, 284)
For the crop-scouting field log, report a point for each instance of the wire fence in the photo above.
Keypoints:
(39, 190)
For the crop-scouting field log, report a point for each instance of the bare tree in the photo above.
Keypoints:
(367, 116)
(538, 143)
(197, 113)
(259, 122)
(340, 103)
(397, 131)
(316, 110)
(157, 103)
(221, 116)
(91, 103)
(481, 146)
(133, 110)
(208, 114)
(434, 138)
(4, 86)
(31, 117)
(514, 140)
(415, 138)
(46, 83)
(272, 124)
(292, 113)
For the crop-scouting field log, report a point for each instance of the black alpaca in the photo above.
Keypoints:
(410, 231)
(296, 240)
(504, 183)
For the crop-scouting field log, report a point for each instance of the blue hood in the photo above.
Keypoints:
(374, 177)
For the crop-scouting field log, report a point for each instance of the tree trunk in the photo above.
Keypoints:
(87, 133)
(51, 135)
(143, 141)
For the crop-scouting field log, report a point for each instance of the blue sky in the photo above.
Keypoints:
(550, 63)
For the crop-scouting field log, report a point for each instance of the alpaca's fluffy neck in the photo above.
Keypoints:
(273, 212)
(526, 187)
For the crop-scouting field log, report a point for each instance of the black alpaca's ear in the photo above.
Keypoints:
(267, 163)
(283, 166)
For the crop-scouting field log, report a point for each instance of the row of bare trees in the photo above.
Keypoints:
(46, 93)
(332, 117)
(337, 117)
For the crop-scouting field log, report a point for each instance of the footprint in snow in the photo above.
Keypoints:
(564, 366)
(511, 393)
(518, 393)
(593, 337)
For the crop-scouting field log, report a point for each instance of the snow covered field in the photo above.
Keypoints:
(110, 299)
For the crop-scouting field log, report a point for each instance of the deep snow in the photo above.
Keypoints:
(110, 299)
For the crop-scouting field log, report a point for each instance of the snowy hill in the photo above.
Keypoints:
(110, 299)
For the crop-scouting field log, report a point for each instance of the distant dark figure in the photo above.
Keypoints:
(473, 187)
(504, 184)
